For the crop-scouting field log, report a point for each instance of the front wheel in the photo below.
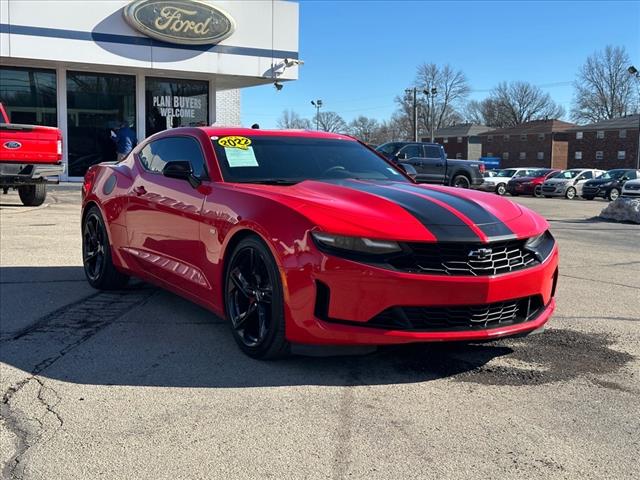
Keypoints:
(614, 193)
(461, 181)
(254, 301)
(570, 193)
(501, 189)
(537, 192)
(99, 269)
(33, 195)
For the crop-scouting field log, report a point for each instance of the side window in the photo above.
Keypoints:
(632, 175)
(412, 151)
(431, 152)
(585, 176)
(158, 153)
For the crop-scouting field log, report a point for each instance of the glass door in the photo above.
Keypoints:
(97, 105)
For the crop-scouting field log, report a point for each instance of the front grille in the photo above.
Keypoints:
(633, 187)
(465, 259)
(474, 317)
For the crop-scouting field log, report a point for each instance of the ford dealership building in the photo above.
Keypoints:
(86, 67)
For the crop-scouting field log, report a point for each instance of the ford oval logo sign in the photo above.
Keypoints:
(187, 22)
(12, 145)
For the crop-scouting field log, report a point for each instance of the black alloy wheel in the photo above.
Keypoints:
(460, 181)
(253, 301)
(96, 254)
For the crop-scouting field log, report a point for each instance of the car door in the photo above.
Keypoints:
(581, 179)
(413, 155)
(163, 214)
(434, 165)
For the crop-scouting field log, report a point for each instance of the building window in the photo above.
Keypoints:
(506, 138)
(600, 134)
(621, 155)
(459, 155)
(578, 156)
(505, 156)
(523, 155)
(489, 138)
(97, 104)
(540, 156)
(599, 155)
(578, 135)
(523, 137)
(445, 140)
(176, 103)
(459, 139)
(29, 95)
(541, 136)
(623, 134)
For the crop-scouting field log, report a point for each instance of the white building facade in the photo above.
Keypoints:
(87, 67)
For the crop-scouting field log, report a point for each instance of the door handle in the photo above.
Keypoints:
(140, 190)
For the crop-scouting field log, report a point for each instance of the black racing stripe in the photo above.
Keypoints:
(490, 225)
(446, 226)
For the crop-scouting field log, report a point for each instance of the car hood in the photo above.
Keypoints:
(556, 181)
(405, 211)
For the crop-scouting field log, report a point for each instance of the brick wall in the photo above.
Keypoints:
(610, 145)
(228, 108)
(452, 147)
(514, 146)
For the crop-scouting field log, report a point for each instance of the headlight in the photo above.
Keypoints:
(355, 244)
(541, 245)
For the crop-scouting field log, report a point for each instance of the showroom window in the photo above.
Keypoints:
(174, 103)
(98, 104)
(29, 95)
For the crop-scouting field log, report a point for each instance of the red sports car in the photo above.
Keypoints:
(531, 184)
(307, 237)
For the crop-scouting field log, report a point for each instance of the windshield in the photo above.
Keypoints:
(538, 173)
(612, 174)
(568, 174)
(288, 160)
(505, 173)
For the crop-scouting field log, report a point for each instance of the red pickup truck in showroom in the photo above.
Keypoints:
(30, 156)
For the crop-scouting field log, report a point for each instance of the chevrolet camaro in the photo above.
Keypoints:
(314, 238)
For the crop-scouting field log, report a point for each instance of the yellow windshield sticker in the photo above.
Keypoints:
(235, 142)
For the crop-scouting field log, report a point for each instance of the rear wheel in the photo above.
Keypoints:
(537, 191)
(614, 193)
(254, 302)
(501, 189)
(570, 193)
(96, 254)
(461, 181)
(33, 195)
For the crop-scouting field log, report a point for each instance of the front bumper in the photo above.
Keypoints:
(631, 193)
(357, 293)
(554, 190)
(521, 188)
(486, 187)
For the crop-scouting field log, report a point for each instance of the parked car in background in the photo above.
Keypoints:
(631, 189)
(530, 184)
(490, 173)
(569, 183)
(610, 184)
(432, 165)
(29, 155)
(498, 183)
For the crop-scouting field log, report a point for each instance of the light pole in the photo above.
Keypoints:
(317, 104)
(633, 71)
(414, 90)
(431, 94)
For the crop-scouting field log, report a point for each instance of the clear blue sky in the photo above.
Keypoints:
(360, 54)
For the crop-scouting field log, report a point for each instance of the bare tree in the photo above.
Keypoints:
(291, 120)
(331, 122)
(363, 128)
(486, 112)
(520, 102)
(603, 88)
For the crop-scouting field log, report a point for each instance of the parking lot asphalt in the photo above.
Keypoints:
(141, 384)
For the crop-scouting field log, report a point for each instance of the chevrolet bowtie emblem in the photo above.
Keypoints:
(480, 254)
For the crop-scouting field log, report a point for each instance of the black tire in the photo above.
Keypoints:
(537, 191)
(96, 254)
(501, 189)
(613, 194)
(570, 194)
(254, 303)
(514, 194)
(33, 195)
(461, 181)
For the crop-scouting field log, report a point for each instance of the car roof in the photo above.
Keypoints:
(257, 132)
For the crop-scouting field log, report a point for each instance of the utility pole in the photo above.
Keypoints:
(431, 94)
(317, 104)
(414, 90)
(634, 72)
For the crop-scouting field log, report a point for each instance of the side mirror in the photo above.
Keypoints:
(408, 169)
(401, 156)
(181, 170)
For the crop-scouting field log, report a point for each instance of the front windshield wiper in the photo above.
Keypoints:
(272, 181)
